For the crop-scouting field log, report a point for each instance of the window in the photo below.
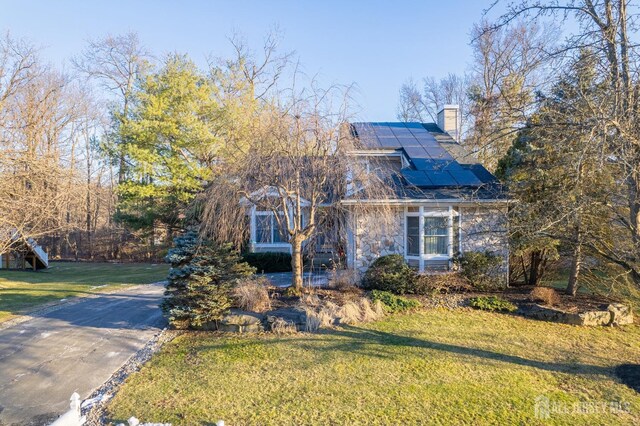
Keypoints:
(267, 230)
(413, 236)
(436, 235)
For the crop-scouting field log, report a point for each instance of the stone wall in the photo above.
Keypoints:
(374, 236)
(486, 229)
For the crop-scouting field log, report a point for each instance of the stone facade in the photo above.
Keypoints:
(482, 228)
(371, 238)
(486, 229)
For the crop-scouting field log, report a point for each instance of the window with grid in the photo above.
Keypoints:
(267, 230)
(436, 235)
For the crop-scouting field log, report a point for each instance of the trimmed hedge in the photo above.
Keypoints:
(269, 261)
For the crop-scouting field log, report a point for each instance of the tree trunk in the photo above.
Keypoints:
(296, 264)
(572, 286)
(533, 273)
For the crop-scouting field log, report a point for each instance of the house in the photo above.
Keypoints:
(443, 201)
(23, 253)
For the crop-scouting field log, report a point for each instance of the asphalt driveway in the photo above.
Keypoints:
(74, 348)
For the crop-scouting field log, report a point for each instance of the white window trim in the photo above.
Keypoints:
(449, 213)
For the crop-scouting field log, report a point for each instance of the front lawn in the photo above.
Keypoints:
(21, 291)
(434, 366)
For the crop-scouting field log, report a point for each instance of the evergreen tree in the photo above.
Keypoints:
(200, 280)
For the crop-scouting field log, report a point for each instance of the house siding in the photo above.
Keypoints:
(370, 238)
(486, 229)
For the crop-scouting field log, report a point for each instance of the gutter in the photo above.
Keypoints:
(444, 201)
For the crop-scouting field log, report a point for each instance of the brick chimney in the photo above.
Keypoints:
(449, 120)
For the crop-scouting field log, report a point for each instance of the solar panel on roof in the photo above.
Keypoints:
(465, 177)
(416, 152)
(442, 178)
(433, 165)
(417, 178)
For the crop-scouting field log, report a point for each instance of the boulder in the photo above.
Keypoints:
(620, 314)
(296, 317)
(238, 321)
(615, 314)
(590, 318)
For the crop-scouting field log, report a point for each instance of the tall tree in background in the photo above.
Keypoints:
(605, 27)
(171, 144)
(495, 95)
(556, 170)
(116, 63)
(506, 71)
(423, 105)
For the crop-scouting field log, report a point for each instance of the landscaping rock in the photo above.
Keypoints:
(296, 317)
(615, 314)
(620, 314)
(543, 313)
(590, 318)
(241, 322)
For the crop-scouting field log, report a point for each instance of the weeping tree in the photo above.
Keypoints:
(298, 164)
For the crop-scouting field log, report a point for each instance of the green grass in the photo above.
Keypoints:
(21, 291)
(435, 367)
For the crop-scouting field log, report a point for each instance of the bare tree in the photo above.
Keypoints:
(116, 63)
(508, 67)
(423, 105)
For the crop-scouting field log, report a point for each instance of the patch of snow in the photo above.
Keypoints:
(92, 401)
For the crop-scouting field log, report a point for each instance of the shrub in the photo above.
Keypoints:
(200, 280)
(269, 261)
(344, 279)
(492, 303)
(393, 303)
(545, 295)
(390, 273)
(432, 284)
(251, 294)
(481, 269)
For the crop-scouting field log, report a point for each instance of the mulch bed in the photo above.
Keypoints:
(579, 303)
(279, 298)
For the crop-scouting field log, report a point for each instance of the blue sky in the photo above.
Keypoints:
(375, 44)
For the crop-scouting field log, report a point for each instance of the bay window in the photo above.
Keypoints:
(431, 235)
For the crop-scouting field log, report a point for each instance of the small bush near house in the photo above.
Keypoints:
(250, 294)
(269, 261)
(481, 269)
(392, 303)
(545, 295)
(344, 279)
(390, 273)
(201, 278)
(492, 303)
(448, 282)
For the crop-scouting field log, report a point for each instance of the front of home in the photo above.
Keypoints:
(443, 202)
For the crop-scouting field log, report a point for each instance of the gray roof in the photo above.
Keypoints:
(439, 166)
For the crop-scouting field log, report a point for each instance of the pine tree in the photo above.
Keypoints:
(201, 278)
